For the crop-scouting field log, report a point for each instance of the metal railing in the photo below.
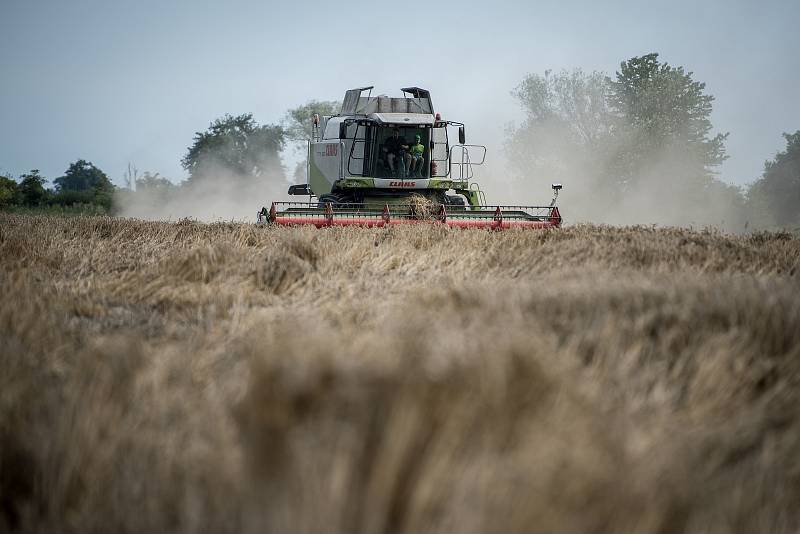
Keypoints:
(465, 164)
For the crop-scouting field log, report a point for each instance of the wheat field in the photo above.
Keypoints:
(189, 377)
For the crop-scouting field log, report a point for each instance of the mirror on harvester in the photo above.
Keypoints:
(462, 136)
(342, 130)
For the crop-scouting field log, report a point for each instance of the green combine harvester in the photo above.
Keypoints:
(389, 160)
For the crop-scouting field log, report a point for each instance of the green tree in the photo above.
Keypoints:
(774, 199)
(297, 122)
(153, 182)
(564, 136)
(31, 188)
(298, 125)
(83, 183)
(636, 148)
(8, 192)
(663, 111)
(82, 175)
(235, 147)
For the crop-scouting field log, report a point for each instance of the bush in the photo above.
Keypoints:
(68, 197)
(8, 192)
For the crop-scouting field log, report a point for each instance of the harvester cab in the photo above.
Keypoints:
(390, 160)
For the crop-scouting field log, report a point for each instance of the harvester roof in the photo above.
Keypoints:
(417, 101)
(402, 118)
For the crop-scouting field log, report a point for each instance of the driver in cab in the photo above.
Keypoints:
(394, 150)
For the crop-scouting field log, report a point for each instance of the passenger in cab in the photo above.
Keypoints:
(416, 156)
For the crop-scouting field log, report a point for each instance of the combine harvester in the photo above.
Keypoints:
(385, 161)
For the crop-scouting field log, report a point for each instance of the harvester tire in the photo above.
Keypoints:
(455, 200)
(337, 200)
(333, 198)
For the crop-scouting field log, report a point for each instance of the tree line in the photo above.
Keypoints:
(233, 148)
(639, 140)
(83, 186)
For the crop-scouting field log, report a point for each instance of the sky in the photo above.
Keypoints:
(131, 82)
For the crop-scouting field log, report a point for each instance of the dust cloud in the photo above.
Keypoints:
(222, 196)
(659, 197)
(664, 193)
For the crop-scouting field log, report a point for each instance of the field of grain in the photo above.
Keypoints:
(188, 377)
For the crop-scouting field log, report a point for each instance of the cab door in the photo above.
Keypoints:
(440, 152)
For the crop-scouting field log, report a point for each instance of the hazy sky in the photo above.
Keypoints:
(117, 82)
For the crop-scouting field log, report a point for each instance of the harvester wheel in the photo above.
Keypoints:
(455, 200)
(333, 198)
(338, 200)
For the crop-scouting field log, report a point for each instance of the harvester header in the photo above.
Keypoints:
(390, 160)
